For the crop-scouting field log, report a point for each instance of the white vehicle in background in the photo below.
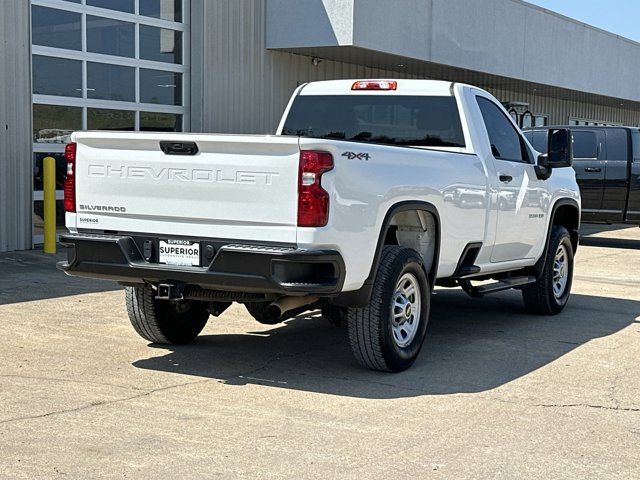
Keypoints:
(370, 194)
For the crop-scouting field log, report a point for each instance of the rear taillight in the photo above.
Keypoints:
(70, 179)
(313, 200)
(375, 85)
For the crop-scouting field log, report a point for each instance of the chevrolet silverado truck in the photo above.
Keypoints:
(370, 194)
(607, 165)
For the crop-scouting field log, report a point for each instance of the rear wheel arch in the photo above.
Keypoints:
(397, 213)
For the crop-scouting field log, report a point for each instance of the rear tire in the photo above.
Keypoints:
(550, 293)
(163, 322)
(387, 334)
(335, 315)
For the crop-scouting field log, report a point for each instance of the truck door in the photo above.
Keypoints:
(633, 204)
(616, 181)
(522, 199)
(589, 164)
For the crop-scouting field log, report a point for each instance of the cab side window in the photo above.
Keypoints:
(585, 144)
(538, 140)
(635, 135)
(506, 143)
(617, 144)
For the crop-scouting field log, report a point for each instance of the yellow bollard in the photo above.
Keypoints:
(49, 204)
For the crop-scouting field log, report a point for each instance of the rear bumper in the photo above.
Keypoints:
(228, 266)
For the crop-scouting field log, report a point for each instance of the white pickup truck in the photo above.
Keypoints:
(370, 194)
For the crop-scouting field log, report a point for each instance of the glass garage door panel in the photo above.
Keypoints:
(106, 119)
(164, 88)
(103, 65)
(110, 37)
(170, 10)
(57, 76)
(127, 6)
(54, 123)
(111, 82)
(160, 44)
(160, 122)
(52, 27)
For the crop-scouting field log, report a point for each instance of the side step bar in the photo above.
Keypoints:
(506, 284)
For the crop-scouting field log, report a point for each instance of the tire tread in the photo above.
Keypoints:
(538, 297)
(364, 325)
(151, 322)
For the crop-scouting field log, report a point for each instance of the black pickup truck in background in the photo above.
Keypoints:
(607, 165)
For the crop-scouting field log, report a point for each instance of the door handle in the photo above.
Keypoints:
(506, 178)
(592, 169)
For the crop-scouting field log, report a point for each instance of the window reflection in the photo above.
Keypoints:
(160, 122)
(57, 76)
(54, 123)
(160, 44)
(110, 37)
(119, 5)
(107, 119)
(170, 10)
(111, 82)
(56, 28)
(160, 87)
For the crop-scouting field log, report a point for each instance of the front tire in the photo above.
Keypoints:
(387, 334)
(164, 322)
(550, 293)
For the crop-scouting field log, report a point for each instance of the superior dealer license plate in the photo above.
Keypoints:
(179, 252)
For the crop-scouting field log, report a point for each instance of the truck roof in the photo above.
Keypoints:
(404, 87)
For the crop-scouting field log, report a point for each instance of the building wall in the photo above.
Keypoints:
(509, 38)
(238, 86)
(243, 87)
(16, 171)
(561, 110)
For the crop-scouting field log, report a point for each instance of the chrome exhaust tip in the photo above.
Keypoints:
(283, 305)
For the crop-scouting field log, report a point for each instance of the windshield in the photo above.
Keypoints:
(393, 120)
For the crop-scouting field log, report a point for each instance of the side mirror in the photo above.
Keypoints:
(560, 153)
(560, 148)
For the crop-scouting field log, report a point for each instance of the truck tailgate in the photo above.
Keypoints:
(235, 187)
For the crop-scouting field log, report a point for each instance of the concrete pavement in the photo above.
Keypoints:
(496, 393)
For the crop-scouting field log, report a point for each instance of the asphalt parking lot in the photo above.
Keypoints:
(496, 393)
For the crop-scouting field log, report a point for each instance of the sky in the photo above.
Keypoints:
(617, 16)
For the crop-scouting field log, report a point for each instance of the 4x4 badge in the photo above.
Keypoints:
(357, 156)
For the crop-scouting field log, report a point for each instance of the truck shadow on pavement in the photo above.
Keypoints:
(471, 347)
